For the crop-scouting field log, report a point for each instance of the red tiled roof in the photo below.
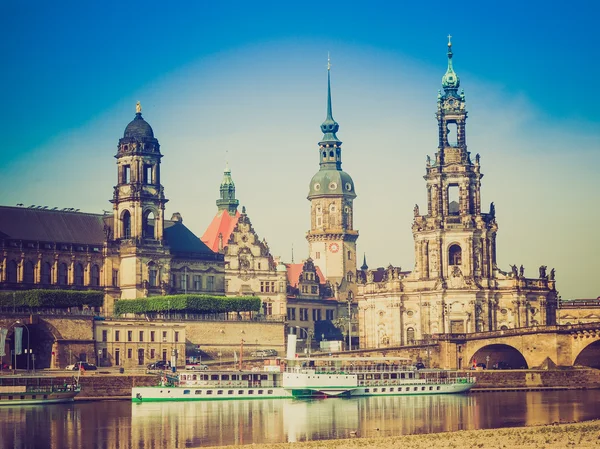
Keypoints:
(223, 223)
(295, 269)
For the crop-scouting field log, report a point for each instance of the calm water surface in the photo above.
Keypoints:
(121, 424)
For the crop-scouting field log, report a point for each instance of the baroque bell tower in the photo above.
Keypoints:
(455, 243)
(332, 238)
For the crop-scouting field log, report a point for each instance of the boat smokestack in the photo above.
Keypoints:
(291, 346)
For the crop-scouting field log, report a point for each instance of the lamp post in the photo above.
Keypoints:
(309, 334)
(349, 321)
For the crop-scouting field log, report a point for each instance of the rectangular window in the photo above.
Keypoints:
(176, 336)
(148, 174)
(316, 314)
(141, 335)
(291, 313)
(329, 315)
(152, 353)
(117, 335)
(117, 357)
(317, 255)
(210, 283)
(197, 282)
(115, 278)
(303, 314)
(164, 357)
(104, 335)
(152, 274)
(129, 335)
(129, 353)
(184, 281)
(164, 336)
(281, 287)
(126, 174)
(152, 335)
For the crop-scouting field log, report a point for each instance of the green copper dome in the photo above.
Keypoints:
(331, 182)
(450, 80)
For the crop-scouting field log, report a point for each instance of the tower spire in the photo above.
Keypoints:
(227, 200)
(329, 126)
(450, 80)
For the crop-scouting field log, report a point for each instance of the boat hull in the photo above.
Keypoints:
(31, 398)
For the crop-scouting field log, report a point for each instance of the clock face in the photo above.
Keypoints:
(334, 247)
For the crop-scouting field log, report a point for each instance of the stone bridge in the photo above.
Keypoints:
(532, 347)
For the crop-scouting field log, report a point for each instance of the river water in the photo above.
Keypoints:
(121, 424)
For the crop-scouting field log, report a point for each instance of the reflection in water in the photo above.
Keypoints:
(196, 424)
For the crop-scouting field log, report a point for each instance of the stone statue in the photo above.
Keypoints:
(552, 274)
(521, 271)
(370, 276)
(428, 161)
(514, 270)
(543, 271)
(477, 158)
(138, 108)
(416, 210)
(492, 210)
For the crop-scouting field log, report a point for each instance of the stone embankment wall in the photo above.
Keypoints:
(537, 379)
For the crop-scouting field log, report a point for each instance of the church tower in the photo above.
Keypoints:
(332, 238)
(138, 200)
(455, 243)
(138, 209)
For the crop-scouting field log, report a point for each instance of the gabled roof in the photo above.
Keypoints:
(223, 223)
(294, 270)
(181, 240)
(23, 223)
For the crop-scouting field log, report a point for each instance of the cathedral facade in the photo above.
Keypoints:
(456, 285)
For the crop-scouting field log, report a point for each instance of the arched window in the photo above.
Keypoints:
(11, 271)
(410, 335)
(78, 274)
(454, 255)
(28, 276)
(62, 274)
(349, 277)
(46, 273)
(152, 274)
(95, 276)
(126, 225)
(503, 328)
(148, 225)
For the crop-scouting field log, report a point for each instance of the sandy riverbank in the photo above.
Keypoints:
(579, 435)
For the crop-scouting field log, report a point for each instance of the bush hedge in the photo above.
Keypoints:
(52, 298)
(189, 303)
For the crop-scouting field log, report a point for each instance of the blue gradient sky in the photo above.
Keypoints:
(246, 82)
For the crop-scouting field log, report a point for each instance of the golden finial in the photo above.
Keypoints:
(138, 108)
(449, 41)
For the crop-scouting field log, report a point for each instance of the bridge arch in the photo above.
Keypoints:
(589, 355)
(498, 353)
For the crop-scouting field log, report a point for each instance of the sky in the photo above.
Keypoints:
(246, 83)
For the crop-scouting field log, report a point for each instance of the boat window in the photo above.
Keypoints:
(220, 392)
(422, 388)
(10, 398)
(271, 391)
(392, 389)
(408, 388)
(208, 391)
(374, 390)
(214, 377)
(245, 377)
(415, 389)
(430, 388)
(45, 396)
(394, 376)
(22, 397)
(402, 375)
(229, 391)
(235, 377)
(386, 376)
(263, 377)
(410, 375)
(250, 391)
(240, 391)
(260, 391)
(225, 377)
(198, 391)
(367, 390)
(383, 390)
(33, 397)
(438, 387)
(186, 391)
(204, 377)
(361, 377)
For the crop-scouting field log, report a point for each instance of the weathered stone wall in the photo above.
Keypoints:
(226, 336)
(572, 378)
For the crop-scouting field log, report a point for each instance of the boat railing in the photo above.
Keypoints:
(433, 381)
(228, 383)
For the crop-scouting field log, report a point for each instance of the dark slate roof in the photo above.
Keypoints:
(181, 240)
(23, 223)
(138, 127)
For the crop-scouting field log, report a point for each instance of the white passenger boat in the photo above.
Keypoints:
(36, 394)
(306, 378)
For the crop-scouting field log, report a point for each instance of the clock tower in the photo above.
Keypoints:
(332, 238)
